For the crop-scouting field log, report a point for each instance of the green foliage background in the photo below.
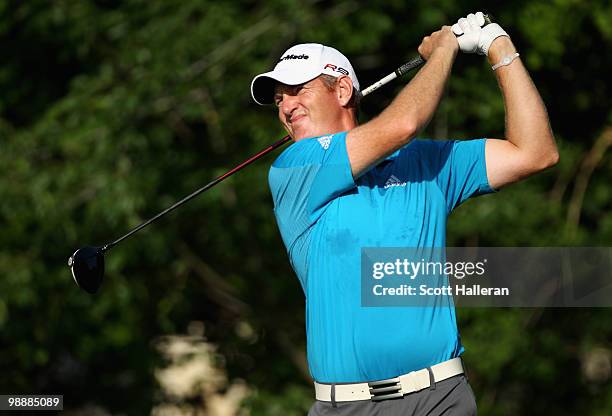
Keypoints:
(112, 110)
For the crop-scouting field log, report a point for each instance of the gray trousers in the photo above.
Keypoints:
(450, 397)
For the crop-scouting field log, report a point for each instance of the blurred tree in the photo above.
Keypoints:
(112, 110)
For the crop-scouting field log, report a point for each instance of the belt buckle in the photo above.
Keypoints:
(385, 389)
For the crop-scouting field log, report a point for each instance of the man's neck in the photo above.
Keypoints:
(345, 123)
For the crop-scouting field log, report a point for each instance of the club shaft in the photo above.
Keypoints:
(200, 190)
(408, 66)
(414, 63)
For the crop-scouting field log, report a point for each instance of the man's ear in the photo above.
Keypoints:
(344, 90)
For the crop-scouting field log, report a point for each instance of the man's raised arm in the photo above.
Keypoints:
(410, 111)
(530, 145)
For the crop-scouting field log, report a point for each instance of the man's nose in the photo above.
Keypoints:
(289, 104)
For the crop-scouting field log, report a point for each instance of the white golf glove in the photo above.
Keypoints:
(473, 37)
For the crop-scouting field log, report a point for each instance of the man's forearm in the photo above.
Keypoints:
(418, 101)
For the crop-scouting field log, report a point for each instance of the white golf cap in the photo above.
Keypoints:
(300, 64)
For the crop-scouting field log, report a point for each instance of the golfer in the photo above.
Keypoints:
(343, 186)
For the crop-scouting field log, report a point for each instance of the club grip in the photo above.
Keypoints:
(410, 65)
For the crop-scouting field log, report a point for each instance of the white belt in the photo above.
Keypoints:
(390, 388)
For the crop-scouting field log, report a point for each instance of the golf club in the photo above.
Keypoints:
(87, 263)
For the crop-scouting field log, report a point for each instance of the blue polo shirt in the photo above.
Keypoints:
(325, 217)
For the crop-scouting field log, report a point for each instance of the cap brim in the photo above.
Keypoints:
(262, 86)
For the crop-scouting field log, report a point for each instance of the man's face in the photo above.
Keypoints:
(307, 110)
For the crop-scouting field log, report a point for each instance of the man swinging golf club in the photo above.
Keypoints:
(343, 186)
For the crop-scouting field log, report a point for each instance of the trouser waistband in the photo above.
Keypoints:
(390, 388)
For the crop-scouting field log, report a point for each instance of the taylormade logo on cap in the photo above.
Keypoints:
(294, 57)
(300, 64)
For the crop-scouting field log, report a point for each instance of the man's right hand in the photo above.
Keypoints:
(443, 38)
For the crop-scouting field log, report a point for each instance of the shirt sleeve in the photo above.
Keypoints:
(460, 169)
(305, 179)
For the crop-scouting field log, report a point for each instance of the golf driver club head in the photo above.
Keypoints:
(87, 266)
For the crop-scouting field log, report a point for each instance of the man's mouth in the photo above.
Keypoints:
(296, 118)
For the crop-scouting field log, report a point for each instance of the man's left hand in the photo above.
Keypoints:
(473, 37)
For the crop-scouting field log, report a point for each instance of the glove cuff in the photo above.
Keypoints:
(489, 33)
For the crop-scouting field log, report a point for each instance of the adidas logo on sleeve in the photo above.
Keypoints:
(393, 181)
(324, 141)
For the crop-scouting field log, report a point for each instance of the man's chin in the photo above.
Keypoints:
(299, 135)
